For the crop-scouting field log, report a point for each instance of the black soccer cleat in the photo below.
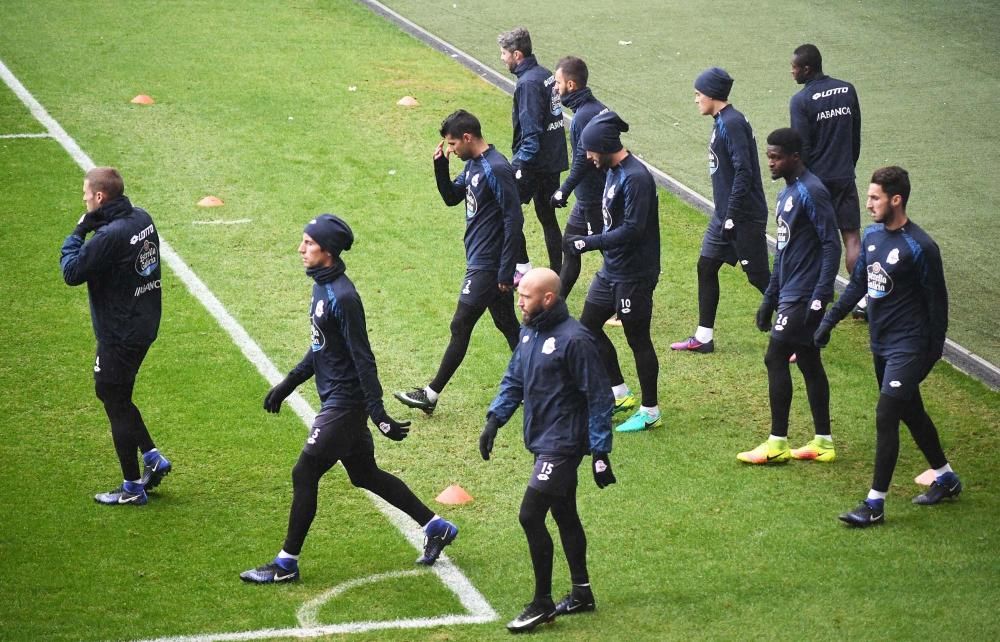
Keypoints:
(860, 313)
(864, 515)
(944, 487)
(579, 600)
(128, 493)
(534, 613)
(153, 474)
(440, 532)
(416, 398)
(270, 573)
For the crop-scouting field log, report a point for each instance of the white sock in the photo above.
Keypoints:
(863, 303)
(431, 395)
(876, 494)
(704, 335)
(829, 438)
(287, 556)
(942, 470)
(522, 267)
(775, 439)
(652, 411)
(621, 390)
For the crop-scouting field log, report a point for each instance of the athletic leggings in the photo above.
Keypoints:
(466, 316)
(128, 430)
(534, 508)
(779, 385)
(545, 185)
(364, 473)
(647, 366)
(888, 412)
(708, 288)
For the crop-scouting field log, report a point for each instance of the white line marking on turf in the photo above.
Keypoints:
(479, 609)
(25, 136)
(308, 611)
(237, 221)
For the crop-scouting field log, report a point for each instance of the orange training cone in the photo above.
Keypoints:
(926, 478)
(211, 201)
(454, 494)
(408, 101)
(143, 99)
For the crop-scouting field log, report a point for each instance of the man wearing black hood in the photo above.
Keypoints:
(630, 242)
(558, 375)
(121, 266)
(342, 362)
(584, 180)
(539, 146)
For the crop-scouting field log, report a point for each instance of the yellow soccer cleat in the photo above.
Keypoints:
(769, 452)
(819, 449)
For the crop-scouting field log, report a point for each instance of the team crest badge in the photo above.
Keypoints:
(549, 346)
(893, 257)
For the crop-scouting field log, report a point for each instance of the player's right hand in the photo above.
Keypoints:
(277, 394)
(558, 199)
(764, 313)
(822, 335)
(89, 222)
(603, 476)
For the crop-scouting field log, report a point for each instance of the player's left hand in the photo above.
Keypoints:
(487, 437)
(441, 152)
(89, 222)
(729, 230)
(558, 199)
(603, 475)
(504, 287)
(575, 244)
(816, 311)
(394, 430)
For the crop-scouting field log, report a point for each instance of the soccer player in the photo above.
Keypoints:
(737, 231)
(492, 235)
(539, 147)
(827, 114)
(900, 267)
(584, 180)
(121, 266)
(558, 375)
(630, 243)
(805, 268)
(341, 360)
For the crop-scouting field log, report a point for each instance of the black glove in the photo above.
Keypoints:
(764, 313)
(575, 244)
(558, 199)
(603, 476)
(525, 184)
(488, 435)
(88, 223)
(394, 430)
(729, 230)
(815, 313)
(822, 335)
(277, 394)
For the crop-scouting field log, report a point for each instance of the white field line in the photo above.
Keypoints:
(235, 221)
(25, 136)
(453, 578)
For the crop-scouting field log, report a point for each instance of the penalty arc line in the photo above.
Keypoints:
(479, 610)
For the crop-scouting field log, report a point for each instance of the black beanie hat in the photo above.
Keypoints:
(603, 133)
(331, 232)
(714, 83)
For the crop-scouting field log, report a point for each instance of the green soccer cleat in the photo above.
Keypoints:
(641, 420)
(624, 405)
(819, 449)
(769, 452)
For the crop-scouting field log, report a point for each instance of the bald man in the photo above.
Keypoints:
(557, 373)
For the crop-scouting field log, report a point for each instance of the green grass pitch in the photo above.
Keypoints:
(253, 105)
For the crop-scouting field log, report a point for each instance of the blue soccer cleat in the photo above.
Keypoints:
(439, 533)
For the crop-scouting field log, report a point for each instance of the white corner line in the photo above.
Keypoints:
(9, 136)
(453, 578)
